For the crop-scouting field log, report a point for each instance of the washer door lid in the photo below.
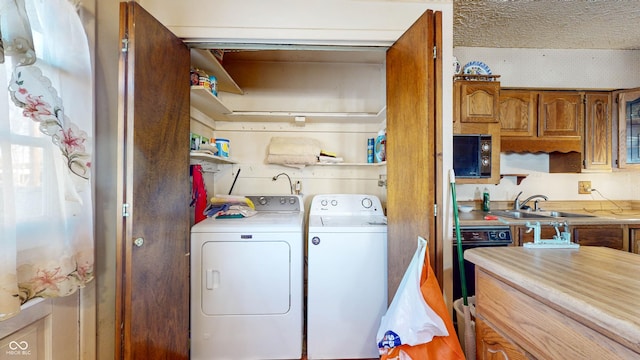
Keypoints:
(245, 278)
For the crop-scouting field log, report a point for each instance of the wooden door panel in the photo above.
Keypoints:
(491, 345)
(411, 121)
(518, 113)
(479, 101)
(598, 128)
(634, 240)
(608, 236)
(560, 114)
(153, 278)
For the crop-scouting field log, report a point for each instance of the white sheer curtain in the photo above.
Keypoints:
(46, 134)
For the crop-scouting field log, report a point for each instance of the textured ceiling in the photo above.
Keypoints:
(547, 24)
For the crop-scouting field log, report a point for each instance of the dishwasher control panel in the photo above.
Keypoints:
(484, 234)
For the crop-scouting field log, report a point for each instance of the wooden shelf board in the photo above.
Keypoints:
(204, 59)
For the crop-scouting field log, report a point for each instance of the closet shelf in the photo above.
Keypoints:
(204, 60)
(197, 158)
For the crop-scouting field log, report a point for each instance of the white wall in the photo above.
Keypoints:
(249, 148)
(556, 69)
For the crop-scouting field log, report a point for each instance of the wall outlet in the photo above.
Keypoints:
(584, 187)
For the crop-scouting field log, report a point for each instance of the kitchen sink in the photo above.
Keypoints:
(568, 214)
(539, 214)
(515, 214)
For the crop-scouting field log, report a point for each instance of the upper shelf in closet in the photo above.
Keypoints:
(294, 86)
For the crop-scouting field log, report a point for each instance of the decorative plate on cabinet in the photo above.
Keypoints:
(476, 68)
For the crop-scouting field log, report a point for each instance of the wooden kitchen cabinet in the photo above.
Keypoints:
(634, 239)
(556, 304)
(597, 132)
(518, 113)
(560, 115)
(476, 101)
(475, 111)
(597, 153)
(611, 236)
(628, 125)
(492, 345)
(541, 121)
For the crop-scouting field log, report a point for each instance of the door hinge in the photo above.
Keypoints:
(435, 210)
(125, 45)
(435, 52)
(125, 210)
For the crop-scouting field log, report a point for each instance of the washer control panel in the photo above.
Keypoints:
(346, 204)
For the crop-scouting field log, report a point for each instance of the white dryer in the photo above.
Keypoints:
(247, 283)
(346, 276)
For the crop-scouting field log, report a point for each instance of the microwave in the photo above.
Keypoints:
(472, 156)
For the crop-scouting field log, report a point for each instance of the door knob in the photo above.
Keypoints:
(138, 242)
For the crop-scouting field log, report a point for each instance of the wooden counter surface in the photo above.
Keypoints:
(476, 218)
(597, 289)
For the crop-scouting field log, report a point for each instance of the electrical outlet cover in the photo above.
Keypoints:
(584, 187)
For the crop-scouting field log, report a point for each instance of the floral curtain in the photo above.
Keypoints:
(46, 132)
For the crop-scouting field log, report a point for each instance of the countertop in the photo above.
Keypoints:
(632, 217)
(596, 286)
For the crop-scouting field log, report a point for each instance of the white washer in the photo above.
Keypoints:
(347, 276)
(247, 283)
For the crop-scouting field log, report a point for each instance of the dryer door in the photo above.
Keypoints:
(245, 278)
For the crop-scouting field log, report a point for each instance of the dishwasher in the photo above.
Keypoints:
(473, 237)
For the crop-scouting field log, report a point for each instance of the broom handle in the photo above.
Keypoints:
(463, 278)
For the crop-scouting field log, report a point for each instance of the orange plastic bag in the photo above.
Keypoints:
(440, 347)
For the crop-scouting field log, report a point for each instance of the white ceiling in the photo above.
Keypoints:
(547, 24)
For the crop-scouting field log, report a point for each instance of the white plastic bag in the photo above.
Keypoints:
(409, 319)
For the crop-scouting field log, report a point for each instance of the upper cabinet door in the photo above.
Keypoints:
(597, 132)
(152, 307)
(629, 129)
(478, 101)
(560, 114)
(518, 113)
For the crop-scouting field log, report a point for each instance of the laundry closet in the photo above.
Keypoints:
(334, 91)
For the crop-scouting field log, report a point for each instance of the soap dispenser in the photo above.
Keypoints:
(486, 203)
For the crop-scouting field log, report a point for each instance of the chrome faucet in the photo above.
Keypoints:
(517, 205)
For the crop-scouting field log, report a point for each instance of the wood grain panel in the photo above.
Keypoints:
(442, 221)
(411, 165)
(518, 113)
(541, 330)
(597, 132)
(560, 114)
(611, 236)
(584, 298)
(492, 345)
(153, 279)
(479, 101)
(634, 240)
